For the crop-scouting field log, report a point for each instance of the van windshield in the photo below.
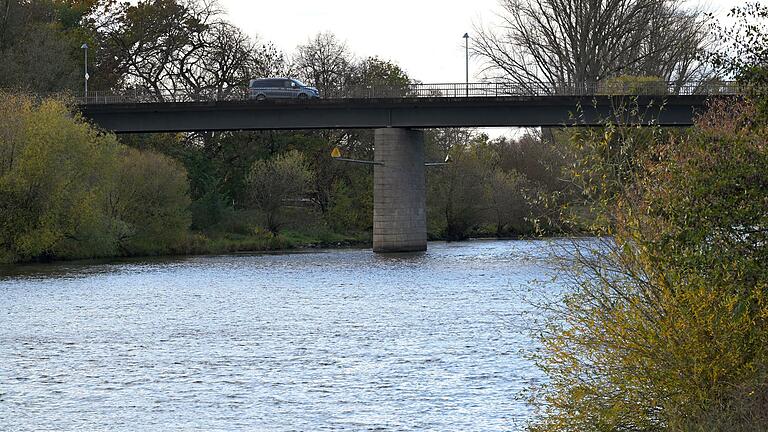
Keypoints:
(300, 83)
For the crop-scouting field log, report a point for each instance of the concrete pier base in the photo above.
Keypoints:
(399, 191)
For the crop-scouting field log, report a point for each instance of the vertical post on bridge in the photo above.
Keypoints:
(86, 76)
(399, 191)
(466, 49)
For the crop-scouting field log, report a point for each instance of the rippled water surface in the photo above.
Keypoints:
(329, 340)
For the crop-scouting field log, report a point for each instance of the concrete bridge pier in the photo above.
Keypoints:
(399, 191)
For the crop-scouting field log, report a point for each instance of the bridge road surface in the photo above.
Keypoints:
(374, 113)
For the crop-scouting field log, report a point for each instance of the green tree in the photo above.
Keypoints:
(54, 169)
(70, 191)
(148, 203)
(455, 192)
(351, 202)
(275, 181)
(508, 202)
(40, 44)
(666, 326)
(374, 77)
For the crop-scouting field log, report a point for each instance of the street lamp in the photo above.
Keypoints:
(466, 48)
(85, 47)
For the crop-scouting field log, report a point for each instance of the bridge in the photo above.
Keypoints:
(404, 112)
(412, 106)
(397, 114)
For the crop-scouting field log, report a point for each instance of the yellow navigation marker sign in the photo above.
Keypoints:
(336, 154)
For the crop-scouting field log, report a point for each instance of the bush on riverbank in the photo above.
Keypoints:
(667, 325)
(261, 240)
(70, 191)
(148, 203)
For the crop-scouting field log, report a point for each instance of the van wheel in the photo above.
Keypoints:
(303, 96)
(260, 97)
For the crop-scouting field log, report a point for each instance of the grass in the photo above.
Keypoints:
(261, 241)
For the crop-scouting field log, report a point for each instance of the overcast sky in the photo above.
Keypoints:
(423, 36)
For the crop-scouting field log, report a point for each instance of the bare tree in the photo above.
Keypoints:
(675, 40)
(181, 49)
(559, 42)
(148, 39)
(325, 62)
(219, 65)
(6, 15)
(224, 63)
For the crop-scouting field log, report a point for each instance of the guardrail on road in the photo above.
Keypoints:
(423, 90)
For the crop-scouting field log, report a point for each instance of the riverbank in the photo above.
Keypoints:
(201, 244)
(198, 243)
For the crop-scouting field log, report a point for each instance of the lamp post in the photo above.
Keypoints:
(85, 48)
(466, 49)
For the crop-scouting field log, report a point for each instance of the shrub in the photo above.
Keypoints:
(633, 85)
(667, 325)
(53, 169)
(148, 203)
(273, 181)
(70, 191)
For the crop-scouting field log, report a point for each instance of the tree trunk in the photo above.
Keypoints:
(5, 23)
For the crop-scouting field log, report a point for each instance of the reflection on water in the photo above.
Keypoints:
(329, 340)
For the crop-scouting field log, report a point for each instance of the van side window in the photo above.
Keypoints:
(287, 84)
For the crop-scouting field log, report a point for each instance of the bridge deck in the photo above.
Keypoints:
(422, 112)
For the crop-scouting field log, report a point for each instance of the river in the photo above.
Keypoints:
(310, 341)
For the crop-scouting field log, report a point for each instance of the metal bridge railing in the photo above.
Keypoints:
(426, 90)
